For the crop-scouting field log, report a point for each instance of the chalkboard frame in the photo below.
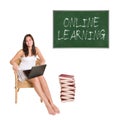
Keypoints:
(58, 14)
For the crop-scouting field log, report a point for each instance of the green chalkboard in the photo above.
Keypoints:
(73, 29)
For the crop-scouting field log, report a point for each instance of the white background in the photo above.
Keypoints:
(96, 71)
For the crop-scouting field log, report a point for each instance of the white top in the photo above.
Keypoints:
(26, 64)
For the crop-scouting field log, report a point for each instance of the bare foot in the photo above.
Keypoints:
(55, 108)
(50, 110)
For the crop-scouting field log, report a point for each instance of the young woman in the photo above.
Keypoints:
(28, 56)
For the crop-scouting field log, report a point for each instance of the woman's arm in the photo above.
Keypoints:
(16, 57)
(39, 54)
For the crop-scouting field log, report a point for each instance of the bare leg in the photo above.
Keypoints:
(38, 89)
(46, 90)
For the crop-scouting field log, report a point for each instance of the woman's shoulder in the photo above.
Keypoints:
(37, 49)
(20, 52)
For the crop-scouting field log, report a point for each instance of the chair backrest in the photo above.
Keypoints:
(38, 62)
(18, 61)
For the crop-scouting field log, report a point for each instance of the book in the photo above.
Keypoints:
(67, 84)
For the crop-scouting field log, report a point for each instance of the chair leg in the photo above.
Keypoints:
(16, 96)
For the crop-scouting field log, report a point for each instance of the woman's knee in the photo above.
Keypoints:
(41, 77)
(34, 80)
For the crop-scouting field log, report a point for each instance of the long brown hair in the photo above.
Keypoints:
(25, 47)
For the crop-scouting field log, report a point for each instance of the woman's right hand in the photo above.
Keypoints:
(15, 67)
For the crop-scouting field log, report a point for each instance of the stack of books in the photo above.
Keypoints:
(67, 84)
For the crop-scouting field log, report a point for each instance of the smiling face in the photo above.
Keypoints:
(29, 41)
(29, 45)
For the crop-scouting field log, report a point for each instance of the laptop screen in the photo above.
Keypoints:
(35, 71)
(27, 72)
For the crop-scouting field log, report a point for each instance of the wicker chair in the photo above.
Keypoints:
(19, 84)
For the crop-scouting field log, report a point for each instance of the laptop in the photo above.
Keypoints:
(35, 71)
